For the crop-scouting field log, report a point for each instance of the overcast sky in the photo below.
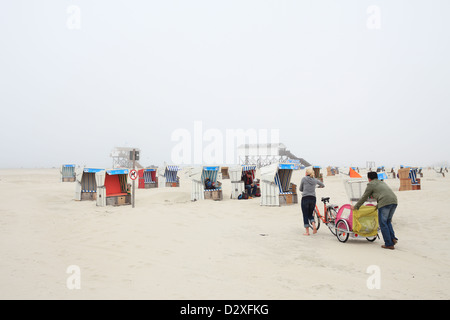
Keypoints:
(344, 82)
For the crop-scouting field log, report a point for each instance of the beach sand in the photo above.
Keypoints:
(168, 247)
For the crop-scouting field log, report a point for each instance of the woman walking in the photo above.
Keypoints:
(308, 189)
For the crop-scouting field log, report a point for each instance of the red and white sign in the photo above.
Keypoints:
(133, 174)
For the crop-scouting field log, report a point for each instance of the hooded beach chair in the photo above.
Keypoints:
(317, 174)
(67, 173)
(168, 176)
(380, 169)
(86, 186)
(408, 179)
(237, 174)
(276, 186)
(382, 176)
(199, 177)
(112, 187)
(415, 182)
(331, 171)
(147, 178)
(392, 174)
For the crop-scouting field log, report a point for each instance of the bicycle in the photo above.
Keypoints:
(329, 217)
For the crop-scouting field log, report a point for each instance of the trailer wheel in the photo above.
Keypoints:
(342, 230)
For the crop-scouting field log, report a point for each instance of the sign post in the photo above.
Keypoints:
(133, 176)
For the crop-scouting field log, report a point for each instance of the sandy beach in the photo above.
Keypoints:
(168, 247)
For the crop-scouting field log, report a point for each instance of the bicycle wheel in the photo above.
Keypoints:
(372, 239)
(342, 230)
(316, 220)
(331, 219)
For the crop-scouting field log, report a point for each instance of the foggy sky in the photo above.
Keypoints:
(339, 92)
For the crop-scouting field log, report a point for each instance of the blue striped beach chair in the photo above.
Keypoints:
(415, 182)
(86, 187)
(147, 178)
(283, 180)
(199, 176)
(211, 173)
(170, 177)
(276, 186)
(68, 173)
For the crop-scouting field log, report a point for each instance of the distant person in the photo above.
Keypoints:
(308, 189)
(386, 205)
(250, 185)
